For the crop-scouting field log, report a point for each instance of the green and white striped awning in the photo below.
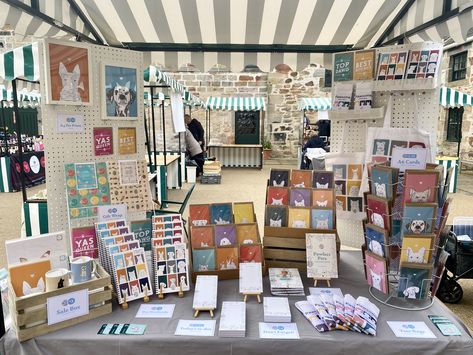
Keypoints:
(235, 103)
(23, 95)
(21, 62)
(453, 98)
(315, 103)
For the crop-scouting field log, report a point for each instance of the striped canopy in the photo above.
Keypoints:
(315, 103)
(23, 95)
(22, 62)
(454, 98)
(236, 103)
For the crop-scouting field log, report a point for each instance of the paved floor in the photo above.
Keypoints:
(240, 185)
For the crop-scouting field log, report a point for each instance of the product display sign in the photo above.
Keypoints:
(343, 67)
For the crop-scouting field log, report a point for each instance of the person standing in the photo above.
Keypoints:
(195, 127)
(195, 151)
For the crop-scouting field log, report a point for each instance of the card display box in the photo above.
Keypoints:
(30, 316)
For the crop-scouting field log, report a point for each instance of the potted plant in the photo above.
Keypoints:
(267, 147)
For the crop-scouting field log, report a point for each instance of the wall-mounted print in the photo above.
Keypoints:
(343, 66)
(423, 64)
(301, 178)
(68, 73)
(103, 141)
(417, 248)
(378, 212)
(421, 186)
(323, 198)
(126, 140)
(279, 178)
(414, 281)
(277, 196)
(299, 197)
(119, 92)
(322, 179)
(276, 216)
(419, 218)
(376, 272)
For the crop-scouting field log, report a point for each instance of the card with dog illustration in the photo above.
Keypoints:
(414, 281)
(417, 248)
(301, 178)
(221, 213)
(119, 92)
(383, 181)
(202, 236)
(199, 215)
(227, 258)
(322, 218)
(299, 217)
(171, 268)
(377, 240)
(322, 179)
(203, 259)
(299, 197)
(323, 198)
(225, 235)
(276, 216)
(243, 212)
(321, 250)
(251, 253)
(247, 233)
(278, 177)
(378, 211)
(376, 272)
(380, 147)
(277, 196)
(29, 278)
(420, 186)
(419, 218)
(126, 140)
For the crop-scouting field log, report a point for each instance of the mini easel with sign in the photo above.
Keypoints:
(198, 310)
(322, 279)
(181, 291)
(257, 294)
(146, 297)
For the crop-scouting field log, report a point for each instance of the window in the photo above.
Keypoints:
(458, 66)
(454, 124)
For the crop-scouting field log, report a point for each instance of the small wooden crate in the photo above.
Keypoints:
(211, 179)
(30, 316)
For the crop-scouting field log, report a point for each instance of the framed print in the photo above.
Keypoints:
(277, 196)
(322, 179)
(378, 212)
(414, 281)
(68, 73)
(322, 218)
(376, 240)
(203, 259)
(119, 92)
(323, 198)
(247, 233)
(126, 140)
(227, 258)
(103, 141)
(276, 216)
(417, 248)
(128, 172)
(243, 212)
(202, 237)
(321, 250)
(299, 217)
(279, 178)
(301, 178)
(225, 235)
(251, 253)
(299, 197)
(199, 215)
(383, 181)
(376, 272)
(419, 218)
(221, 213)
(421, 186)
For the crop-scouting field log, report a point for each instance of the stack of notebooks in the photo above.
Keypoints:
(286, 282)
(276, 310)
(212, 168)
(233, 320)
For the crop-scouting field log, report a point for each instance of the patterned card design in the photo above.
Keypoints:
(171, 264)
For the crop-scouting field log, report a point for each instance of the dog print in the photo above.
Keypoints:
(70, 83)
(122, 97)
(411, 292)
(380, 189)
(417, 226)
(376, 280)
(377, 220)
(380, 148)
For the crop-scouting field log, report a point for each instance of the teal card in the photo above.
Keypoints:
(143, 231)
(136, 329)
(86, 176)
(343, 67)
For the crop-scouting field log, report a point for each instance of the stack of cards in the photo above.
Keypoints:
(286, 282)
(276, 310)
(233, 320)
(120, 329)
(445, 326)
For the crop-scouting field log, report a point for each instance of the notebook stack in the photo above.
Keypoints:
(276, 310)
(286, 282)
(233, 320)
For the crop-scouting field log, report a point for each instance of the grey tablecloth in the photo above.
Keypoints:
(159, 337)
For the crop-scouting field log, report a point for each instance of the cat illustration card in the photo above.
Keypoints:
(420, 186)
(203, 259)
(383, 181)
(276, 216)
(340, 187)
(251, 253)
(417, 248)
(419, 218)
(377, 240)
(299, 217)
(221, 213)
(339, 171)
(353, 188)
(199, 215)
(378, 212)
(355, 204)
(247, 233)
(277, 196)
(243, 212)
(202, 237)
(340, 203)
(227, 258)
(322, 179)
(299, 197)
(397, 144)
(354, 171)
(380, 147)
(322, 218)
(29, 278)
(225, 235)
(301, 178)
(376, 272)
(323, 198)
(278, 177)
(414, 281)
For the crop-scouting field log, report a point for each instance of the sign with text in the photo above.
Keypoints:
(343, 67)
(111, 212)
(67, 306)
(364, 65)
(84, 242)
(409, 158)
(126, 140)
(143, 231)
(103, 141)
(70, 123)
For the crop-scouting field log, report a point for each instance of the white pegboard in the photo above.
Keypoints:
(61, 149)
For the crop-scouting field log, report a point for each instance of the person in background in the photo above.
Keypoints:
(195, 151)
(196, 129)
(314, 141)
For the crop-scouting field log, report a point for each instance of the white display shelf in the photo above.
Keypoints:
(364, 114)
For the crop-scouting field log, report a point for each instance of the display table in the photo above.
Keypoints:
(159, 336)
(33, 165)
(238, 155)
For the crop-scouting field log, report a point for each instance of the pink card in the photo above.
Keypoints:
(376, 272)
(103, 141)
(84, 242)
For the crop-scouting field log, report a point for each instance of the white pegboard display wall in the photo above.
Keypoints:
(63, 148)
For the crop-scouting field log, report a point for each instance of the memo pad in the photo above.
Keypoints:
(205, 295)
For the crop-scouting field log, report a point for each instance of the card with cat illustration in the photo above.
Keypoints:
(301, 178)
(221, 213)
(397, 144)
(355, 204)
(203, 259)
(323, 198)
(419, 218)
(376, 272)
(383, 181)
(117, 223)
(227, 258)
(171, 268)
(339, 171)
(420, 186)
(298, 217)
(202, 237)
(353, 188)
(354, 171)
(276, 216)
(340, 203)
(29, 278)
(414, 281)
(199, 215)
(380, 147)
(277, 196)
(376, 240)
(340, 187)
(251, 253)
(243, 212)
(225, 235)
(417, 248)
(299, 197)
(322, 179)
(378, 211)
(322, 218)
(279, 177)
(247, 233)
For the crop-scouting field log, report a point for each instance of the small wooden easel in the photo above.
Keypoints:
(146, 297)
(198, 310)
(181, 291)
(257, 294)
(161, 292)
(322, 279)
(124, 304)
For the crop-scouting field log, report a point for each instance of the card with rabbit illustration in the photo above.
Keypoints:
(376, 272)
(421, 186)
(199, 215)
(301, 178)
(299, 197)
(227, 258)
(202, 236)
(277, 196)
(383, 181)
(414, 281)
(221, 213)
(171, 268)
(244, 212)
(377, 240)
(378, 211)
(225, 235)
(322, 179)
(298, 217)
(247, 233)
(279, 177)
(417, 248)
(276, 216)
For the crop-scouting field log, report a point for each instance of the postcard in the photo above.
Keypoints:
(378, 211)
(322, 218)
(276, 216)
(199, 215)
(420, 186)
(419, 218)
(251, 253)
(384, 181)
(417, 248)
(377, 240)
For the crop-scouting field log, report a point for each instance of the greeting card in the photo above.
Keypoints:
(251, 253)
(377, 240)
(126, 140)
(299, 217)
(322, 218)
(419, 218)
(276, 216)
(384, 181)
(225, 235)
(279, 178)
(103, 141)
(322, 179)
(199, 215)
(244, 212)
(227, 258)
(203, 259)
(29, 278)
(417, 248)
(247, 233)
(323, 198)
(420, 186)
(277, 196)
(378, 212)
(376, 272)
(221, 213)
(364, 65)
(84, 242)
(301, 178)
(414, 281)
(202, 237)
(300, 197)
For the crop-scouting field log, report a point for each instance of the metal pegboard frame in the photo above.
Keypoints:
(62, 148)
